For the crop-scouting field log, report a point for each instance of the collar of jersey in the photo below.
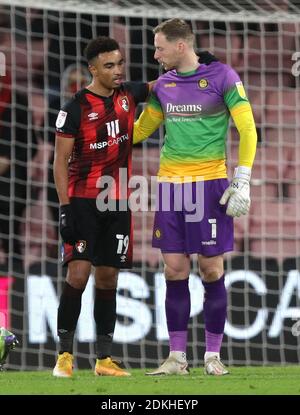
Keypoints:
(97, 95)
(189, 73)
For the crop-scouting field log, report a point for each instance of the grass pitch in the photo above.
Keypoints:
(283, 380)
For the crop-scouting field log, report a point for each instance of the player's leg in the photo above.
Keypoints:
(169, 237)
(210, 236)
(216, 238)
(68, 314)
(105, 318)
(214, 311)
(78, 259)
(178, 306)
(114, 251)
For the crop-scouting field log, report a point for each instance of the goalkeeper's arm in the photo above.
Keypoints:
(148, 122)
(238, 193)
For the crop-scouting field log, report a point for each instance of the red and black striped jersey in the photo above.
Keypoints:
(102, 128)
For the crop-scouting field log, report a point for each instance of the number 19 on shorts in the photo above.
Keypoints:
(123, 244)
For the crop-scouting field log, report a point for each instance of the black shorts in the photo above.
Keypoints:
(105, 238)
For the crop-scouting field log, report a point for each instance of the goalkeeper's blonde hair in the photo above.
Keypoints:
(175, 29)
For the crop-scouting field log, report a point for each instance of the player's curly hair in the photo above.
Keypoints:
(175, 29)
(101, 44)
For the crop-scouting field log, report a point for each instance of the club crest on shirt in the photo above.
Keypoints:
(203, 83)
(61, 119)
(124, 103)
(80, 246)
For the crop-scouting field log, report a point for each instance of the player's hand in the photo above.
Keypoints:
(206, 57)
(237, 195)
(67, 227)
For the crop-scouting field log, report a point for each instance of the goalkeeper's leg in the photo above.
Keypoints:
(178, 307)
(214, 310)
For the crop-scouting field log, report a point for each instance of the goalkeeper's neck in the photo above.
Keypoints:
(188, 62)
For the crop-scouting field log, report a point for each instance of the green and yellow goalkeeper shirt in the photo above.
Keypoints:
(196, 108)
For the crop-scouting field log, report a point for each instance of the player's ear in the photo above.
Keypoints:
(92, 69)
(180, 46)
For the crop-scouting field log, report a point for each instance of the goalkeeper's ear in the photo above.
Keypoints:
(206, 57)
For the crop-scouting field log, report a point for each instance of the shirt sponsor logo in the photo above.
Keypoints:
(61, 119)
(109, 143)
(93, 116)
(183, 108)
(170, 85)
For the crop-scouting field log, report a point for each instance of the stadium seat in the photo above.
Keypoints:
(153, 155)
(39, 108)
(227, 49)
(283, 108)
(278, 248)
(137, 161)
(271, 165)
(265, 80)
(241, 226)
(269, 171)
(257, 98)
(263, 50)
(37, 232)
(282, 136)
(232, 155)
(142, 237)
(293, 174)
(274, 229)
(30, 63)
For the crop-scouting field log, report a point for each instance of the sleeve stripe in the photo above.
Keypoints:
(239, 109)
(155, 113)
(64, 135)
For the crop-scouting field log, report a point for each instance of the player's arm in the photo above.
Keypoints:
(237, 195)
(245, 124)
(151, 85)
(147, 123)
(67, 125)
(62, 153)
(149, 120)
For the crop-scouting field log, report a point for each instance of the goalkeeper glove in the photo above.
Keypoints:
(67, 226)
(238, 193)
(8, 341)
